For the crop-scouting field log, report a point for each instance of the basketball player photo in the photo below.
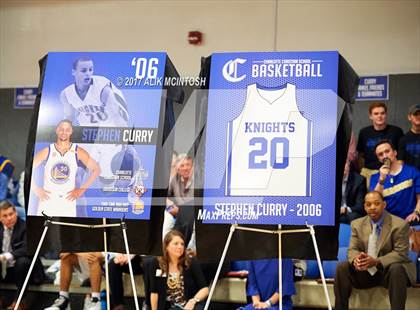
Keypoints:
(58, 194)
(114, 111)
(93, 100)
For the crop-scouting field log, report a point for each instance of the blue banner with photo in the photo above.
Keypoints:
(96, 135)
(270, 138)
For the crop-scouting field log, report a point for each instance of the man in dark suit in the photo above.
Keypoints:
(377, 256)
(353, 195)
(14, 260)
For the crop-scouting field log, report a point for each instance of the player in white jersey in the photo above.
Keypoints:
(269, 144)
(94, 100)
(58, 195)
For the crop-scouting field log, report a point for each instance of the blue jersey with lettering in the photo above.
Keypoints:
(400, 190)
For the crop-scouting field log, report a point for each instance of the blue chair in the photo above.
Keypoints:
(312, 270)
(239, 265)
(330, 266)
(344, 235)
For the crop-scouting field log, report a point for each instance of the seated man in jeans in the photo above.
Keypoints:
(89, 263)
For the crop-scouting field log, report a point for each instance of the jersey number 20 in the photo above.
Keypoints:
(96, 117)
(257, 157)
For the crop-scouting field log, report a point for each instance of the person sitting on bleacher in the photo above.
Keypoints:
(89, 263)
(377, 256)
(13, 258)
(398, 183)
(409, 147)
(263, 284)
(177, 280)
(370, 135)
(353, 193)
(6, 173)
(117, 266)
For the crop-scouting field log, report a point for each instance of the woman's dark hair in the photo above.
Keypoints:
(184, 261)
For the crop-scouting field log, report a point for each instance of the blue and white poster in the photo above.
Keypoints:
(270, 138)
(25, 97)
(96, 135)
(373, 88)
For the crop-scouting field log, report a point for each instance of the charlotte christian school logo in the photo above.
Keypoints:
(60, 173)
(230, 70)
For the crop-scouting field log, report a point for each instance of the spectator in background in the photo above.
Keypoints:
(263, 284)
(371, 135)
(117, 266)
(409, 148)
(398, 183)
(13, 258)
(174, 165)
(6, 173)
(179, 201)
(377, 256)
(177, 280)
(353, 194)
(170, 212)
(90, 264)
(8, 190)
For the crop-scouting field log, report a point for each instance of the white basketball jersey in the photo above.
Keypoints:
(90, 110)
(59, 180)
(269, 145)
(60, 170)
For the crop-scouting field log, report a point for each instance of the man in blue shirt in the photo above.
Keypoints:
(398, 183)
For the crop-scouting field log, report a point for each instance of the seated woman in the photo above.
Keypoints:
(177, 281)
(263, 284)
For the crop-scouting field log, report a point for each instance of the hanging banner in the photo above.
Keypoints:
(373, 88)
(96, 136)
(25, 97)
(270, 138)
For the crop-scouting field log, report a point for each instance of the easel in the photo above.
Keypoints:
(279, 232)
(49, 221)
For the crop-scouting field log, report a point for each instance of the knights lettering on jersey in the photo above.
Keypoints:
(269, 145)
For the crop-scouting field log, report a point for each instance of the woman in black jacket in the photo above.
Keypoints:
(177, 281)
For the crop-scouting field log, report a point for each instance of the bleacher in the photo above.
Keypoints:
(309, 293)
